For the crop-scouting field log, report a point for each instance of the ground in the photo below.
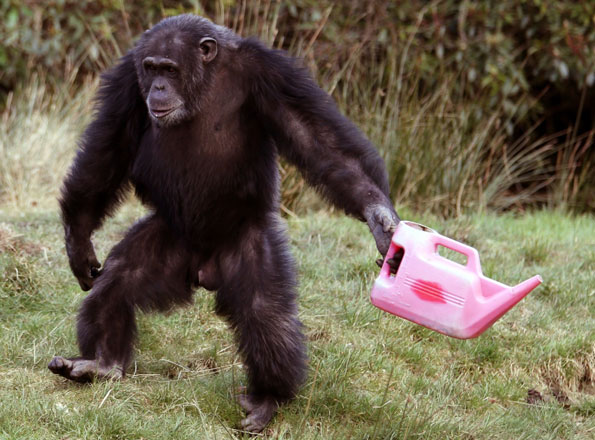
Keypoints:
(372, 375)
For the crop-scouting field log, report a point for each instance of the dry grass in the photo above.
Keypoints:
(37, 141)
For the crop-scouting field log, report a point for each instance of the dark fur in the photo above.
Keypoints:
(210, 175)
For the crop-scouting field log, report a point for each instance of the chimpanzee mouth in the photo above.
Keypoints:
(160, 113)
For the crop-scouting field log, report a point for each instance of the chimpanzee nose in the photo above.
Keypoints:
(159, 84)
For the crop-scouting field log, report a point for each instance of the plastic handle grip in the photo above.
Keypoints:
(471, 253)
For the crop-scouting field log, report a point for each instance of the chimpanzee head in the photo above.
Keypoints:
(173, 61)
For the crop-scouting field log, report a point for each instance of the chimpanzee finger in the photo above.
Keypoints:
(93, 261)
(85, 284)
(393, 265)
(395, 261)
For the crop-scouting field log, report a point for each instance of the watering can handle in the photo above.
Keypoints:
(471, 253)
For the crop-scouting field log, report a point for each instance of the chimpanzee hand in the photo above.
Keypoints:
(382, 221)
(83, 261)
(394, 262)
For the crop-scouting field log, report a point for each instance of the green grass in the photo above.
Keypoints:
(372, 375)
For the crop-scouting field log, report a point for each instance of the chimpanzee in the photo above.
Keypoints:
(193, 118)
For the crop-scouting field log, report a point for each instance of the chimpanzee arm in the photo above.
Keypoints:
(311, 133)
(99, 174)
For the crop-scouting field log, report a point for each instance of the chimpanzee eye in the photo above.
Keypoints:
(171, 69)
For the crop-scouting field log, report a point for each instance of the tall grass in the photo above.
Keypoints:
(40, 126)
(442, 150)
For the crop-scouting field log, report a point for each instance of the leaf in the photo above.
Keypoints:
(12, 18)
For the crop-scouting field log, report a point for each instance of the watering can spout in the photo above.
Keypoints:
(527, 286)
(501, 301)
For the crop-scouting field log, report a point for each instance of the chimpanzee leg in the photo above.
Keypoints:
(149, 269)
(258, 297)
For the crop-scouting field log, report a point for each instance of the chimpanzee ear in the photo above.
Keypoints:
(208, 49)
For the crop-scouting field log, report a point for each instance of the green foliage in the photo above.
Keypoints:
(506, 47)
(69, 37)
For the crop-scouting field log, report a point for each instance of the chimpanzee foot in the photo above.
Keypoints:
(259, 412)
(83, 370)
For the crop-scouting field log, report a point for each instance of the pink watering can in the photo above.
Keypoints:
(431, 290)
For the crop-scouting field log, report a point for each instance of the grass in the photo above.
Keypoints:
(372, 375)
(40, 129)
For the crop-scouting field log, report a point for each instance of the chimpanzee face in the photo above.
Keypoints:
(171, 70)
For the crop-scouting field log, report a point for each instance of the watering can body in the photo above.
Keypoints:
(438, 293)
